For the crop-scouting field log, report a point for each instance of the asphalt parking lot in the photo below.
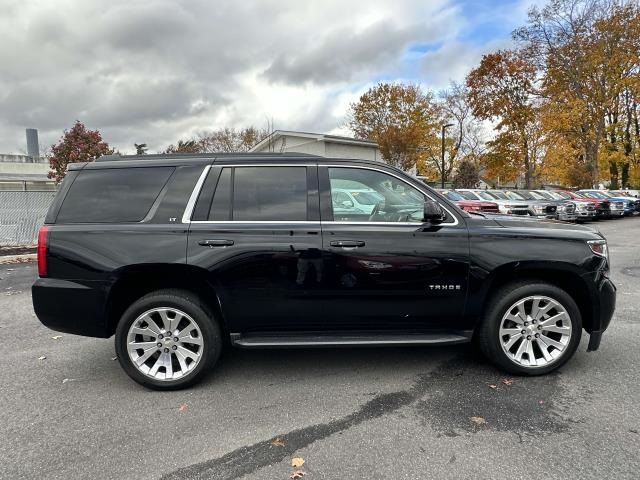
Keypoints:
(69, 411)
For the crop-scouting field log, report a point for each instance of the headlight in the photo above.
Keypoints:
(599, 247)
(538, 208)
(581, 206)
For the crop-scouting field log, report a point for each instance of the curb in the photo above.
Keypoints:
(10, 259)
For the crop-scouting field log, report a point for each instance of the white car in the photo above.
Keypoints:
(358, 200)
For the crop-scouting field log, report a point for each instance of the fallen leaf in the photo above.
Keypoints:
(507, 381)
(56, 337)
(114, 358)
(69, 380)
(183, 407)
(277, 442)
(297, 462)
(493, 387)
(478, 420)
(297, 475)
(42, 357)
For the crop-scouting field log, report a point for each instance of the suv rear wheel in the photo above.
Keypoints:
(530, 328)
(167, 340)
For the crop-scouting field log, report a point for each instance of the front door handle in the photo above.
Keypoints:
(347, 243)
(215, 243)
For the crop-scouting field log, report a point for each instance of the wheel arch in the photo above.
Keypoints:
(133, 282)
(564, 276)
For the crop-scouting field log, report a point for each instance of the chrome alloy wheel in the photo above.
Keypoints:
(535, 331)
(165, 343)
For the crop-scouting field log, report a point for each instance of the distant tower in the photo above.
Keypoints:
(33, 149)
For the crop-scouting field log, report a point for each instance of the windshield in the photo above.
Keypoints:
(498, 194)
(487, 196)
(546, 195)
(468, 195)
(537, 196)
(562, 195)
(454, 196)
(518, 196)
(595, 195)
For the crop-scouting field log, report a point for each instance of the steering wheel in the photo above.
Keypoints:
(374, 212)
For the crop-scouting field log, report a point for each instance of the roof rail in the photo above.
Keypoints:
(156, 156)
(109, 158)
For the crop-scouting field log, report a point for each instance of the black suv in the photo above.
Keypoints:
(180, 255)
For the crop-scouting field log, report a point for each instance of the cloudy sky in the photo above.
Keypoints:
(155, 71)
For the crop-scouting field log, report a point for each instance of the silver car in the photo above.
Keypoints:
(584, 211)
(537, 207)
(505, 205)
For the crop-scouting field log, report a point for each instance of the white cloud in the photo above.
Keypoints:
(159, 70)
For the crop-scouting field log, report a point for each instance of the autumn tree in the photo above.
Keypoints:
(76, 145)
(465, 140)
(231, 139)
(467, 176)
(185, 146)
(403, 119)
(588, 51)
(501, 89)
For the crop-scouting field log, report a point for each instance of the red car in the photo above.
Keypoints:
(603, 208)
(480, 206)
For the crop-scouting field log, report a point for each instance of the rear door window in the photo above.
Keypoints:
(113, 195)
(258, 194)
(270, 194)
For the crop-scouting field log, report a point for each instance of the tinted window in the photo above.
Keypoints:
(380, 197)
(113, 195)
(270, 194)
(221, 206)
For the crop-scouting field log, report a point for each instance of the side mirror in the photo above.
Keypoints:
(433, 212)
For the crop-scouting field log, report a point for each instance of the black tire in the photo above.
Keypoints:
(200, 314)
(488, 337)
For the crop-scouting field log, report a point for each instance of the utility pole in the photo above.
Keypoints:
(444, 127)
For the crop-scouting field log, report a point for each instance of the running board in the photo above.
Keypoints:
(336, 339)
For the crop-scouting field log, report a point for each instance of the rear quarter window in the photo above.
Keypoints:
(114, 195)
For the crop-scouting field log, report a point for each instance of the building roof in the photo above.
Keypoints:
(320, 137)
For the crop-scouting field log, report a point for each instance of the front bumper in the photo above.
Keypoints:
(567, 217)
(586, 214)
(603, 308)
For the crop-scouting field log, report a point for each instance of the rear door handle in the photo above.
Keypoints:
(215, 243)
(347, 243)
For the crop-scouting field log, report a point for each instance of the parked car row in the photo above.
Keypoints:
(569, 206)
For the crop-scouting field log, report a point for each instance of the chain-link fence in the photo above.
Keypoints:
(21, 215)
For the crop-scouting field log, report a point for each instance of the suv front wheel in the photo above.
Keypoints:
(167, 340)
(530, 328)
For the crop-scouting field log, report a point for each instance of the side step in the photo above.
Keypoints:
(338, 339)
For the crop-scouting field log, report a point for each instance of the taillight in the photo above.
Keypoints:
(43, 241)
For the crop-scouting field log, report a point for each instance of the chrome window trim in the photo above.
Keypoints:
(261, 222)
(188, 212)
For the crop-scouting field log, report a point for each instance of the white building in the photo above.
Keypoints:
(22, 172)
(333, 146)
(25, 172)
